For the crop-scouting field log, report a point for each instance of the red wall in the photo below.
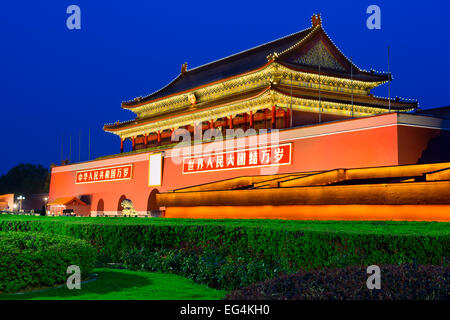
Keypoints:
(365, 142)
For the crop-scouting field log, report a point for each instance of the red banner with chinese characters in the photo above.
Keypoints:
(239, 159)
(104, 174)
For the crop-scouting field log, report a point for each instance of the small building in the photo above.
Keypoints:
(68, 206)
(7, 202)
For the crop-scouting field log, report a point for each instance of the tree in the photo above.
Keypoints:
(25, 178)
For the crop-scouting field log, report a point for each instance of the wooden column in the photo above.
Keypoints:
(286, 118)
(264, 119)
(187, 128)
(230, 122)
(245, 121)
(198, 128)
(146, 140)
(133, 144)
(251, 120)
(211, 124)
(274, 118)
(121, 145)
(159, 138)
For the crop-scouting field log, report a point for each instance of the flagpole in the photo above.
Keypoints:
(89, 145)
(351, 79)
(79, 145)
(320, 105)
(70, 148)
(62, 147)
(290, 114)
(389, 80)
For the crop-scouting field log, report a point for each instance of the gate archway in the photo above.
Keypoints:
(152, 206)
(119, 204)
(100, 207)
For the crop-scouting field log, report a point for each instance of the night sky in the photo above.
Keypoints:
(56, 82)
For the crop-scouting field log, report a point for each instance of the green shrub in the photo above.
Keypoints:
(32, 260)
(208, 267)
(233, 253)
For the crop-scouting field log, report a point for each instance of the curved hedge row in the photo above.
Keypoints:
(32, 260)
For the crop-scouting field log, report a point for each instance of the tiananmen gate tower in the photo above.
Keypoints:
(285, 130)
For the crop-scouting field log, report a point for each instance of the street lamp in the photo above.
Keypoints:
(45, 206)
(20, 198)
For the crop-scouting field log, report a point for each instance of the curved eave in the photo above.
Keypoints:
(373, 102)
(139, 104)
(135, 123)
(361, 76)
(296, 68)
(367, 101)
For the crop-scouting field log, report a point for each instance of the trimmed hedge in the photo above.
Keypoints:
(33, 260)
(404, 282)
(289, 245)
(207, 267)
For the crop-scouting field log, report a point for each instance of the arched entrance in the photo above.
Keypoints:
(119, 204)
(152, 206)
(100, 208)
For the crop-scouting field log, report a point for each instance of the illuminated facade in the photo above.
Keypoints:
(298, 105)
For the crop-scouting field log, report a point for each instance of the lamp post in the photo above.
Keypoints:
(20, 198)
(45, 205)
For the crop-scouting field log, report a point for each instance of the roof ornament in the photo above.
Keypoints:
(316, 20)
(272, 57)
(192, 98)
(184, 68)
(272, 83)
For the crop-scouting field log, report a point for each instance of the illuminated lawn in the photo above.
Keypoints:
(351, 227)
(113, 284)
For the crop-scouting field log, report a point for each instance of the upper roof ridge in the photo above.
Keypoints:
(253, 48)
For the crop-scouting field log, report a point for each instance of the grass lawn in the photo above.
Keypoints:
(351, 227)
(114, 284)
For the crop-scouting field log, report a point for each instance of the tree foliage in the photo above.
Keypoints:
(25, 178)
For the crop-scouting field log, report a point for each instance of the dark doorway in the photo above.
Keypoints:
(119, 205)
(100, 207)
(152, 206)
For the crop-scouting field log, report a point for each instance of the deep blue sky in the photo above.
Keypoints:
(55, 82)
